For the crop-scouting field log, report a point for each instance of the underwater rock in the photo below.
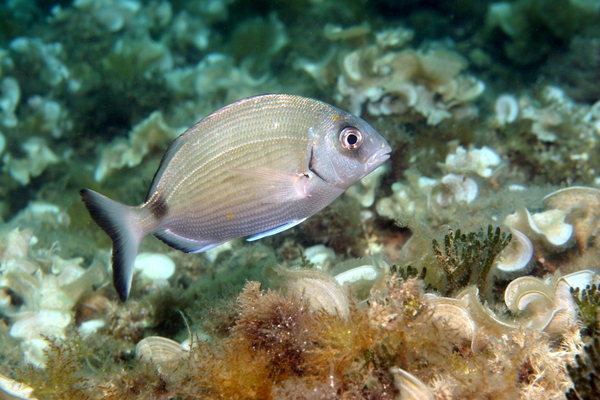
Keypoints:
(516, 26)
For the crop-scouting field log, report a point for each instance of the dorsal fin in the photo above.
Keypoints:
(166, 159)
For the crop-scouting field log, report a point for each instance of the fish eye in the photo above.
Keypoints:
(351, 138)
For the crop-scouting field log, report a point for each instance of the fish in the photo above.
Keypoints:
(253, 168)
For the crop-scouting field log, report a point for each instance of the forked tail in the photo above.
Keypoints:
(120, 223)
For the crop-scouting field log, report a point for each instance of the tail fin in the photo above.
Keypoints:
(120, 223)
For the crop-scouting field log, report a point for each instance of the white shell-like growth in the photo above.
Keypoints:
(362, 276)
(552, 225)
(154, 266)
(581, 279)
(320, 255)
(13, 390)
(517, 254)
(364, 272)
(451, 316)
(542, 304)
(409, 386)
(322, 291)
(160, 351)
(549, 225)
(481, 161)
(507, 109)
(456, 189)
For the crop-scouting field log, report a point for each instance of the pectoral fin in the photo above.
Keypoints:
(276, 187)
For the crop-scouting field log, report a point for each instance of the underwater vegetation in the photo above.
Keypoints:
(465, 267)
(468, 258)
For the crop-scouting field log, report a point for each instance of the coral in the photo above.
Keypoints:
(364, 190)
(149, 134)
(40, 292)
(396, 82)
(475, 160)
(39, 157)
(560, 136)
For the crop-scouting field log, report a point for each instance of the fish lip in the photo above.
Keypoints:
(380, 156)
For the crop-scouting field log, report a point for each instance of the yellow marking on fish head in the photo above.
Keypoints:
(336, 118)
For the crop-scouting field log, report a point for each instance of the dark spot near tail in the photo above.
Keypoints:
(158, 206)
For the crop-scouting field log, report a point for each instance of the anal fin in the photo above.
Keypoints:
(184, 244)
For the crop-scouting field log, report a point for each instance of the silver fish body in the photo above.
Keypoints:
(253, 168)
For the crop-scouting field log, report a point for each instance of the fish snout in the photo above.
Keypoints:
(380, 156)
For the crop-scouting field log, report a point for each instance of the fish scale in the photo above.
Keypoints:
(253, 168)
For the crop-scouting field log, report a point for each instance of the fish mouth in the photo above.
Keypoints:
(380, 156)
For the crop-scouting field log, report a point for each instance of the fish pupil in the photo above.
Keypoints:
(351, 138)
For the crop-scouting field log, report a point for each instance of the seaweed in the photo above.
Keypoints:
(588, 301)
(586, 375)
(466, 259)
(409, 272)
(64, 376)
